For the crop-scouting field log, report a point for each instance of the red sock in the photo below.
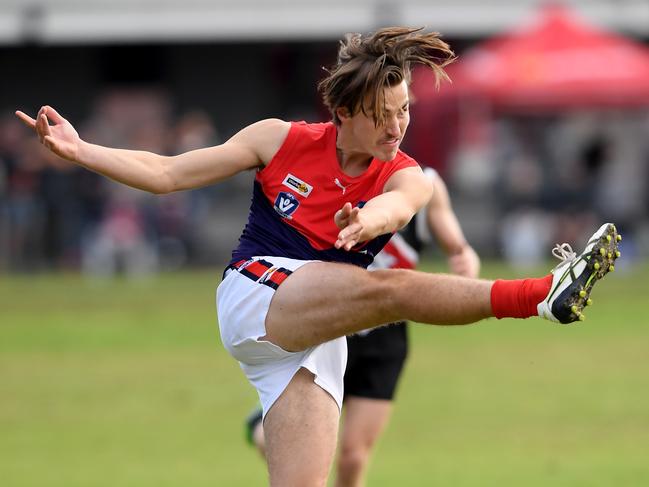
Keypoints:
(518, 298)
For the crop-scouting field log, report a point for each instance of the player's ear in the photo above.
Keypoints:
(343, 113)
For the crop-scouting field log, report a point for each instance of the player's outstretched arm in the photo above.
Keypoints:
(446, 229)
(405, 193)
(252, 147)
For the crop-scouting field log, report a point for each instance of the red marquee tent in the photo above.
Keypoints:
(554, 64)
(558, 62)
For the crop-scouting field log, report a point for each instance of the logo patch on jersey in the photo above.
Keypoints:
(286, 204)
(340, 185)
(298, 185)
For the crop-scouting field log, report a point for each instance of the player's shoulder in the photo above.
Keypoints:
(313, 130)
(402, 156)
(265, 137)
(270, 126)
(283, 130)
(403, 160)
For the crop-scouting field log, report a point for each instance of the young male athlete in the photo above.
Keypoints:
(375, 358)
(327, 197)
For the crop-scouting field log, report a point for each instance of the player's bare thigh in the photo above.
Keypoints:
(321, 301)
(301, 429)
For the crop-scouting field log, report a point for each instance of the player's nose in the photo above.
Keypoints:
(392, 127)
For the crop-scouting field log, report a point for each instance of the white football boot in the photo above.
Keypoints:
(573, 279)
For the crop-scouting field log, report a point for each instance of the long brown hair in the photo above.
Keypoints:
(368, 64)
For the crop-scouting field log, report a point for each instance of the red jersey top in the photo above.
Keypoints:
(297, 194)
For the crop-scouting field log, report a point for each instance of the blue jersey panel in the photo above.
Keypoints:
(267, 234)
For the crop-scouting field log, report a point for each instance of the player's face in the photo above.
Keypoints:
(383, 141)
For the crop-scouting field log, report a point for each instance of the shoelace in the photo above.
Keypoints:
(564, 253)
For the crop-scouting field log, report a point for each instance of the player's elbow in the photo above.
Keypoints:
(415, 201)
(409, 209)
(160, 184)
(160, 190)
(164, 182)
(424, 195)
(402, 218)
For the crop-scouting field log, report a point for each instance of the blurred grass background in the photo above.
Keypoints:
(125, 383)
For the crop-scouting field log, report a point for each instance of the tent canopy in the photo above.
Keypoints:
(557, 62)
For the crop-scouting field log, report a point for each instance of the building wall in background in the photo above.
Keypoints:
(100, 21)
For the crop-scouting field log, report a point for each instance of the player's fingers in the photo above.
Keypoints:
(346, 210)
(26, 119)
(343, 237)
(349, 230)
(42, 124)
(39, 126)
(53, 114)
(42, 127)
(350, 236)
(350, 244)
(341, 220)
(346, 243)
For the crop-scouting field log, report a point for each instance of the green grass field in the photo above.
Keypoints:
(126, 384)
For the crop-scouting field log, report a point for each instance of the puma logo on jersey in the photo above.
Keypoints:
(340, 185)
(298, 185)
(286, 204)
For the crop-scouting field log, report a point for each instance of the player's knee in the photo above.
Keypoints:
(302, 478)
(386, 288)
(352, 462)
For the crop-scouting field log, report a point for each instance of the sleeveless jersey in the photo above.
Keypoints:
(297, 194)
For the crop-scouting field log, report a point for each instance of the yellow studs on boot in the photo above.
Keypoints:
(602, 251)
(596, 266)
(589, 302)
(582, 294)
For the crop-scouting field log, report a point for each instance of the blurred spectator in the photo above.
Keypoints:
(119, 243)
(25, 210)
(526, 236)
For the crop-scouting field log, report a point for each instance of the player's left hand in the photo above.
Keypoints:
(60, 137)
(348, 219)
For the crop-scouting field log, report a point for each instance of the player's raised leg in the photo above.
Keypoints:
(322, 301)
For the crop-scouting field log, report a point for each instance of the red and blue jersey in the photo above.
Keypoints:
(297, 194)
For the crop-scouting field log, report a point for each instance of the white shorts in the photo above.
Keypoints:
(243, 300)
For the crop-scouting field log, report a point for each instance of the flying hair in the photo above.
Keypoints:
(368, 64)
